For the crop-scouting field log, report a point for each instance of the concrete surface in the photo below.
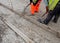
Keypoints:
(7, 35)
(32, 31)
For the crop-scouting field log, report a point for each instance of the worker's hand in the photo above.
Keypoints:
(47, 9)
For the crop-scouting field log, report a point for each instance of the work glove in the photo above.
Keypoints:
(47, 9)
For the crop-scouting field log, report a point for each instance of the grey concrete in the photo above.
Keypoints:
(32, 31)
(8, 36)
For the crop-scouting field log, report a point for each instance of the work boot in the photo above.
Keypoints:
(56, 18)
(55, 21)
(47, 9)
(42, 21)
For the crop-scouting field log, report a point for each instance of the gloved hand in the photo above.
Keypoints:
(47, 9)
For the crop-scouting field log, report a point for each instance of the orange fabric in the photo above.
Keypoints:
(35, 7)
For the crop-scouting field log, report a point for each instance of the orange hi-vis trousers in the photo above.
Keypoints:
(35, 8)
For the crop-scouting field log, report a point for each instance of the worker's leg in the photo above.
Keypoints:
(48, 18)
(50, 15)
(37, 7)
(47, 9)
(32, 9)
(57, 14)
(56, 18)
